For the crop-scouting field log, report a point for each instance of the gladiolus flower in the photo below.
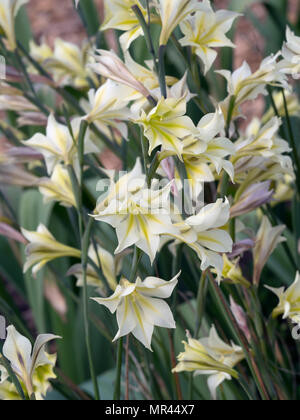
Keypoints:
(206, 30)
(43, 248)
(291, 55)
(109, 265)
(268, 238)
(58, 187)
(58, 145)
(210, 356)
(289, 301)
(33, 368)
(139, 215)
(140, 307)
(166, 125)
(8, 12)
(204, 235)
(172, 13)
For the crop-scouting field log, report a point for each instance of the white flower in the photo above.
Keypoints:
(291, 55)
(204, 234)
(139, 215)
(206, 30)
(289, 301)
(58, 145)
(172, 13)
(8, 12)
(243, 85)
(119, 15)
(33, 368)
(108, 107)
(140, 307)
(210, 356)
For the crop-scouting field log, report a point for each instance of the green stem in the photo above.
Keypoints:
(162, 71)
(85, 248)
(238, 336)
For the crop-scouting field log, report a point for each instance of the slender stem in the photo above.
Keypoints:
(239, 337)
(117, 392)
(201, 300)
(145, 156)
(85, 248)
(162, 71)
(127, 368)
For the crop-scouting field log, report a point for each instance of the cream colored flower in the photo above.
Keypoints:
(43, 248)
(268, 238)
(208, 150)
(243, 85)
(140, 307)
(293, 105)
(291, 55)
(69, 64)
(204, 234)
(232, 272)
(102, 259)
(139, 215)
(172, 13)
(119, 15)
(166, 125)
(33, 368)
(58, 145)
(108, 107)
(58, 187)
(8, 12)
(210, 356)
(289, 301)
(206, 30)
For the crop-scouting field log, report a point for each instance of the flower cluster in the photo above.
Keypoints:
(199, 200)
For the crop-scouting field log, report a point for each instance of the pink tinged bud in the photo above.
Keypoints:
(110, 66)
(241, 247)
(23, 154)
(254, 197)
(240, 317)
(11, 233)
(168, 166)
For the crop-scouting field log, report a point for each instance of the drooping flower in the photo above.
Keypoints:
(108, 107)
(289, 301)
(119, 15)
(210, 356)
(58, 187)
(102, 259)
(291, 55)
(243, 85)
(206, 30)
(139, 214)
(166, 125)
(172, 13)
(208, 150)
(58, 145)
(8, 12)
(33, 367)
(43, 248)
(204, 234)
(140, 307)
(268, 238)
